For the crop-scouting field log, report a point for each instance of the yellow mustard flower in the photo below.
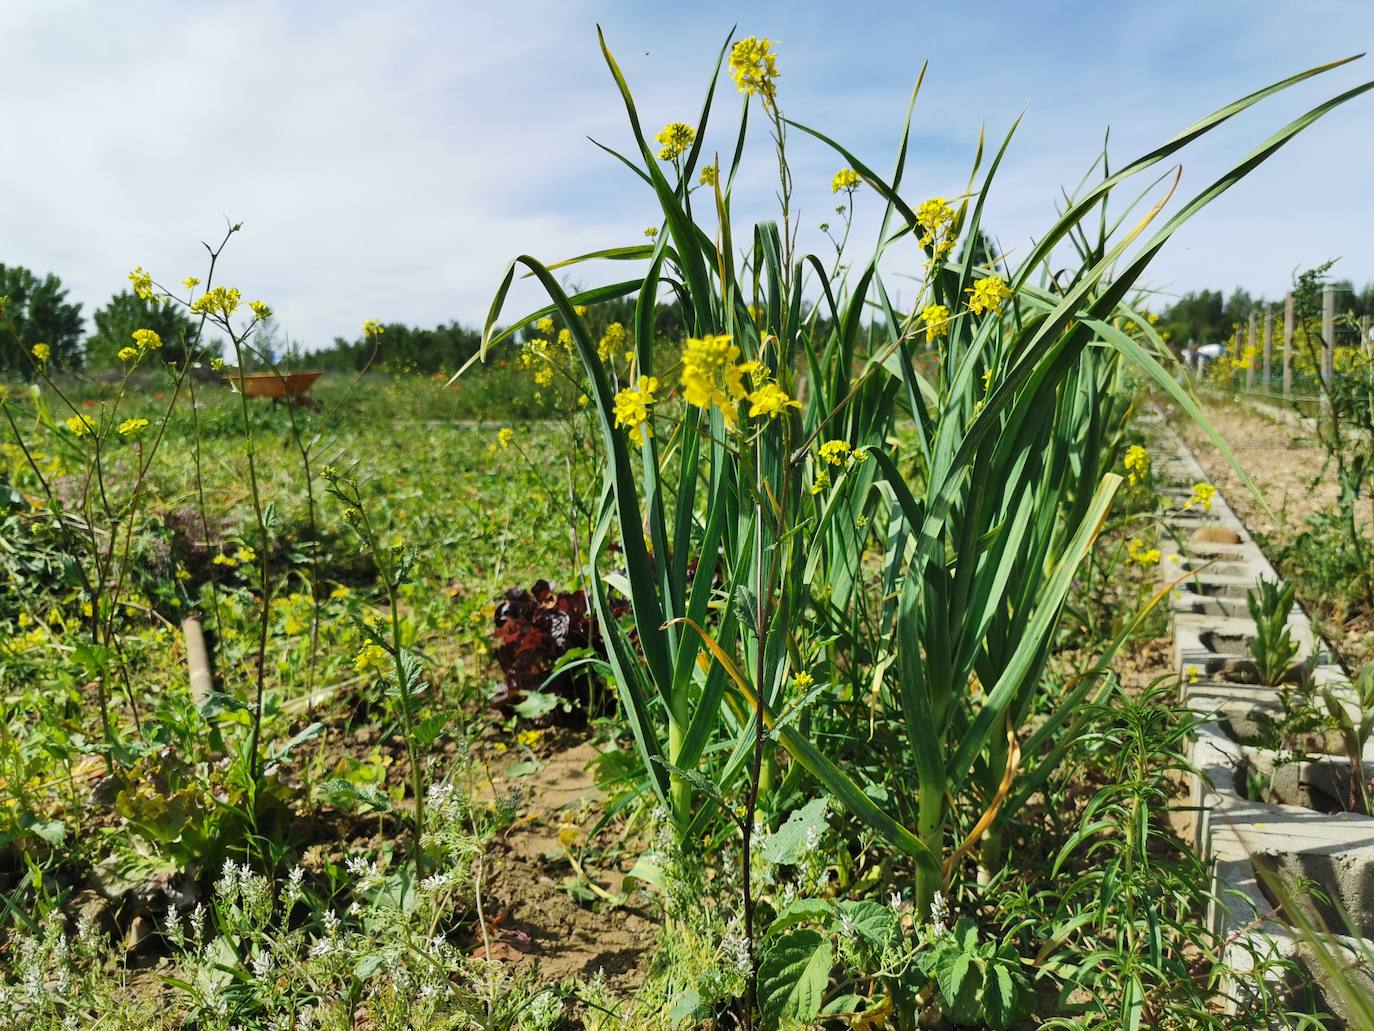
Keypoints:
(146, 339)
(632, 408)
(770, 400)
(225, 560)
(651, 231)
(373, 328)
(934, 216)
(260, 309)
(191, 282)
(834, 451)
(988, 295)
(128, 354)
(545, 326)
(821, 482)
(612, 340)
(845, 179)
(709, 373)
(709, 175)
(41, 353)
(372, 658)
(80, 425)
(676, 137)
(565, 338)
(245, 554)
(142, 283)
(1141, 555)
(221, 301)
(753, 66)
(505, 436)
(802, 679)
(580, 310)
(132, 427)
(1137, 463)
(936, 320)
(544, 377)
(1203, 493)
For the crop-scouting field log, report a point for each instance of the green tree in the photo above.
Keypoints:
(115, 324)
(37, 312)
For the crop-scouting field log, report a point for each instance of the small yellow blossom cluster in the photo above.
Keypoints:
(504, 436)
(261, 311)
(676, 137)
(1141, 555)
(936, 220)
(846, 179)
(238, 557)
(1246, 359)
(132, 427)
(651, 231)
(1137, 463)
(373, 328)
(371, 659)
(710, 175)
(219, 301)
(834, 452)
(145, 340)
(42, 353)
(80, 425)
(1203, 493)
(802, 679)
(710, 375)
(611, 342)
(936, 319)
(754, 66)
(632, 408)
(142, 283)
(988, 295)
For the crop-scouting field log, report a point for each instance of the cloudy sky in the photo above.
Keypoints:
(388, 159)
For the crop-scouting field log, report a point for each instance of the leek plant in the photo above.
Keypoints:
(835, 515)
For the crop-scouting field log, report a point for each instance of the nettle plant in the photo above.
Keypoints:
(813, 606)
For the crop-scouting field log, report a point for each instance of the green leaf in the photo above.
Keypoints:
(960, 979)
(872, 921)
(793, 973)
(789, 844)
(802, 911)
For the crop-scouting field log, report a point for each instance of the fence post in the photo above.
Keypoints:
(1288, 347)
(1268, 346)
(1365, 343)
(1251, 340)
(1328, 332)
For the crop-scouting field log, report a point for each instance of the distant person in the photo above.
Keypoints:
(1206, 355)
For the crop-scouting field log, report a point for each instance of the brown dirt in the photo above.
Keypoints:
(531, 872)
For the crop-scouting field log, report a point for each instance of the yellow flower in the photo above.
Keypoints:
(130, 427)
(222, 301)
(1137, 463)
(545, 325)
(505, 436)
(651, 231)
(1138, 553)
(80, 425)
(753, 65)
(936, 319)
(933, 216)
(770, 400)
(260, 309)
(821, 482)
(191, 282)
(340, 591)
(183, 574)
(528, 738)
(802, 679)
(544, 376)
(611, 341)
(1193, 673)
(632, 408)
(4, 393)
(41, 353)
(128, 354)
(146, 339)
(583, 400)
(709, 373)
(373, 328)
(217, 363)
(371, 658)
(224, 560)
(580, 310)
(709, 175)
(1203, 493)
(988, 295)
(845, 179)
(565, 338)
(245, 554)
(142, 282)
(676, 137)
(834, 451)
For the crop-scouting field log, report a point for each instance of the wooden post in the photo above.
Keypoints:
(1288, 347)
(1268, 346)
(1328, 332)
(197, 660)
(1365, 343)
(1251, 345)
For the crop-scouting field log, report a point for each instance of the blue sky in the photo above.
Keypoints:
(387, 160)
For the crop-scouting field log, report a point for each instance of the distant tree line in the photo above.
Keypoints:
(1207, 317)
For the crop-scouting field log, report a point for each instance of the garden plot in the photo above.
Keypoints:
(1261, 809)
